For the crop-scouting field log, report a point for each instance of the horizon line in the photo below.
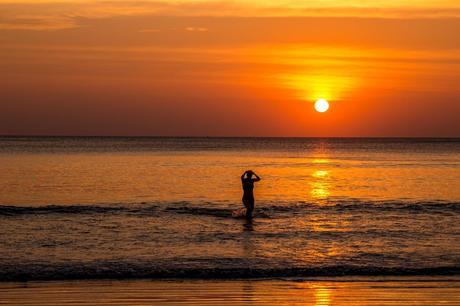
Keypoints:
(203, 136)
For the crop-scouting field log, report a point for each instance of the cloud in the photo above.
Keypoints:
(196, 29)
(55, 15)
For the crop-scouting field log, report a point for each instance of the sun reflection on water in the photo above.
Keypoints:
(320, 161)
(320, 184)
(322, 296)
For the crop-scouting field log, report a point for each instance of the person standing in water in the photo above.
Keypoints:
(247, 181)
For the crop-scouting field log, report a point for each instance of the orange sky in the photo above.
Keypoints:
(249, 68)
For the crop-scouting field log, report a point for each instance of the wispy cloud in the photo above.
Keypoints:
(196, 29)
(53, 15)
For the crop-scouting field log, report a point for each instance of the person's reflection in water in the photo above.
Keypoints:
(249, 257)
(248, 187)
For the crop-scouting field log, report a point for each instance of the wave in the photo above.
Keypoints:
(263, 210)
(217, 212)
(272, 210)
(56, 209)
(126, 271)
(436, 206)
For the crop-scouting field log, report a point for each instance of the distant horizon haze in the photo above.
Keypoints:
(228, 136)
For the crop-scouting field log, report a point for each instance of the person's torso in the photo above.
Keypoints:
(248, 187)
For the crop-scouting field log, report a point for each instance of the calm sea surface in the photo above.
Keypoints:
(161, 207)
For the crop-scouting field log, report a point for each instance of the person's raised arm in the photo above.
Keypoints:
(257, 177)
(242, 176)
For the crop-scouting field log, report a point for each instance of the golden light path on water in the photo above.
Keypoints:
(319, 186)
(322, 296)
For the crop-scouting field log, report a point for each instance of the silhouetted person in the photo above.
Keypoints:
(248, 194)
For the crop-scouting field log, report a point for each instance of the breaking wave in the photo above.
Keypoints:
(131, 271)
(263, 210)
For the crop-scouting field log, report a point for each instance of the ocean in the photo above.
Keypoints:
(128, 208)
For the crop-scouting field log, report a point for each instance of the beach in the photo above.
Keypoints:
(325, 292)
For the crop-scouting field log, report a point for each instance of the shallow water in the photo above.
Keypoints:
(364, 291)
(161, 207)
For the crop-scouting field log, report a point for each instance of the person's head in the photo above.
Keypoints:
(249, 173)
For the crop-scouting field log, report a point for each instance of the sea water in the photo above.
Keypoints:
(112, 207)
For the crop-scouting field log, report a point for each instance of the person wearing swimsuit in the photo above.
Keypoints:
(248, 195)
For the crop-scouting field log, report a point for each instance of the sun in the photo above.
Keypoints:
(321, 105)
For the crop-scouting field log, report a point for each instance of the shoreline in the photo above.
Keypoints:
(93, 273)
(319, 278)
(433, 290)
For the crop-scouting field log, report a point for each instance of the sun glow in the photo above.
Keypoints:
(319, 87)
(321, 105)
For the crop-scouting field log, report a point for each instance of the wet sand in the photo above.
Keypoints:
(319, 292)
